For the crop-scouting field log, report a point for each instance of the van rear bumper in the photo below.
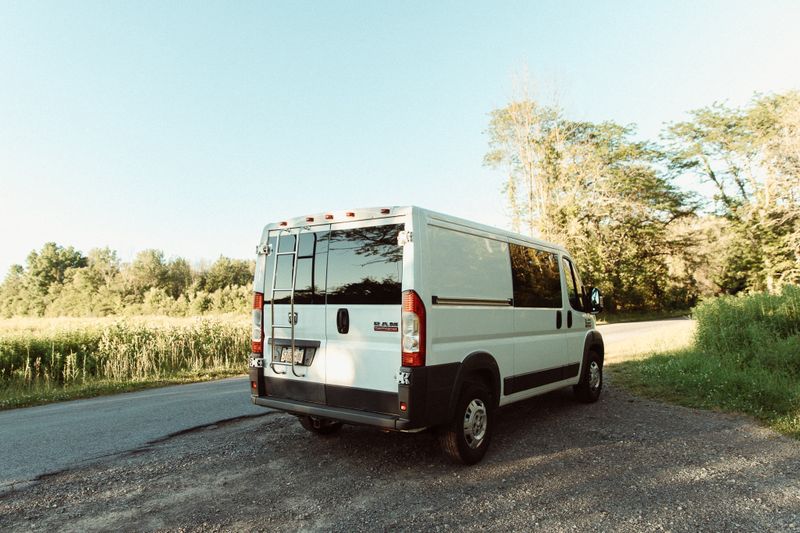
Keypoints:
(351, 416)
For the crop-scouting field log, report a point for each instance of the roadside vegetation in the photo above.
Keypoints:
(745, 359)
(45, 360)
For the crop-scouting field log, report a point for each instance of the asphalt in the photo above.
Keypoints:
(36, 441)
(39, 440)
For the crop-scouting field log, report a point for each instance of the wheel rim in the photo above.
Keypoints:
(475, 423)
(594, 376)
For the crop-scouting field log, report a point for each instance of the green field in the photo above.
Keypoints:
(50, 359)
(745, 359)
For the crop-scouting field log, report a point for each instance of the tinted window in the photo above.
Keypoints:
(536, 280)
(365, 266)
(311, 263)
(574, 289)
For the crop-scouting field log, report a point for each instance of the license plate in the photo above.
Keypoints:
(286, 355)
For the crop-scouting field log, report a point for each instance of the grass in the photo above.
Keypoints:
(745, 359)
(44, 360)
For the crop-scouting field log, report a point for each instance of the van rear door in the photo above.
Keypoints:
(301, 279)
(364, 294)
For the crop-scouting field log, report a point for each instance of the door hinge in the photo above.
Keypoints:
(404, 237)
(263, 249)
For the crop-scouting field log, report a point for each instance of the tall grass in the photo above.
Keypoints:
(40, 356)
(758, 330)
(746, 358)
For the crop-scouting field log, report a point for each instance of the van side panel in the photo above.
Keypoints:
(469, 295)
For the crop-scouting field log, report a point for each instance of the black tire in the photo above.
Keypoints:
(590, 385)
(474, 413)
(320, 426)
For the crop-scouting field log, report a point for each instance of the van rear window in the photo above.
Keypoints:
(311, 264)
(537, 282)
(349, 266)
(365, 266)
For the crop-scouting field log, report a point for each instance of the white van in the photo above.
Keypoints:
(405, 319)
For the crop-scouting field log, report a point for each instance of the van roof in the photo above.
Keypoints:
(369, 213)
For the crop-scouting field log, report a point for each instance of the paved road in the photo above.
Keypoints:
(40, 440)
(49, 438)
(632, 338)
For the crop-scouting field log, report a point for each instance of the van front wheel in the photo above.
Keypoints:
(466, 439)
(591, 383)
(320, 426)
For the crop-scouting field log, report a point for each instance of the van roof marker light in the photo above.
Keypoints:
(328, 217)
(309, 219)
(385, 211)
(284, 223)
(351, 214)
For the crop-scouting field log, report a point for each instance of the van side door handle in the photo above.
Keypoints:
(569, 319)
(558, 319)
(342, 321)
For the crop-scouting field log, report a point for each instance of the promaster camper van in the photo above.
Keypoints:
(404, 319)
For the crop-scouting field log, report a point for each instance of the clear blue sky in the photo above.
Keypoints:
(186, 126)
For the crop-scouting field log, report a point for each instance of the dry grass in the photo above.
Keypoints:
(53, 358)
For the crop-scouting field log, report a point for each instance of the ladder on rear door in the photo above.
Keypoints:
(292, 315)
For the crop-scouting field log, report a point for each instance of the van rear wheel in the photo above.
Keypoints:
(320, 426)
(466, 439)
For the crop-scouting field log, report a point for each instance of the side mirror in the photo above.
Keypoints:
(595, 301)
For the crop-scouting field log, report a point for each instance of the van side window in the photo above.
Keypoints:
(574, 289)
(537, 282)
(365, 266)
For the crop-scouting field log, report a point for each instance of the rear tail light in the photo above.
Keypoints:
(413, 328)
(258, 323)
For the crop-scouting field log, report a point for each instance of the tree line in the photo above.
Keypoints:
(62, 281)
(645, 242)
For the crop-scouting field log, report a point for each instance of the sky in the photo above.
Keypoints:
(188, 126)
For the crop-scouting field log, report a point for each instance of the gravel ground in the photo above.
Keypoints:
(622, 464)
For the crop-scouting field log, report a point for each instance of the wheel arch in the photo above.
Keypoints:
(593, 343)
(483, 365)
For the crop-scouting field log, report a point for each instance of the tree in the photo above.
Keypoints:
(13, 300)
(49, 266)
(752, 158)
(178, 277)
(149, 270)
(103, 266)
(593, 189)
(226, 272)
